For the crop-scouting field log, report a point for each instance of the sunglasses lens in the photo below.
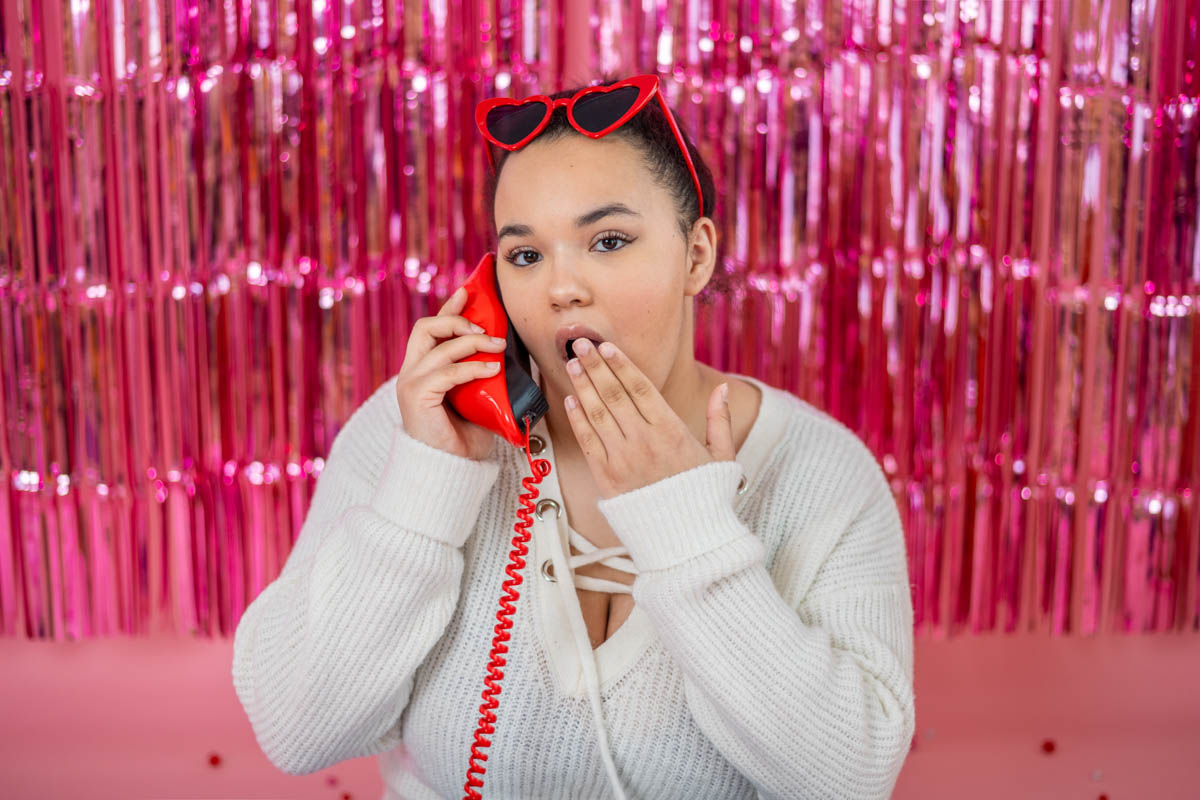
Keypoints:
(597, 111)
(511, 124)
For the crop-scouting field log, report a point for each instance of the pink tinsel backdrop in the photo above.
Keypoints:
(967, 229)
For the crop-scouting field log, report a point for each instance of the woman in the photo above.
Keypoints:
(757, 640)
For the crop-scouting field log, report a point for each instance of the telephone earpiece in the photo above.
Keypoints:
(510, 399)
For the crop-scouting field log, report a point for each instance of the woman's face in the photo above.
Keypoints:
(587, 236)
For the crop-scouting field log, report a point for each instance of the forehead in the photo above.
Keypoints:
(569, 173)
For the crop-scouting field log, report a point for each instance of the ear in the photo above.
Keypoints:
(701, 255)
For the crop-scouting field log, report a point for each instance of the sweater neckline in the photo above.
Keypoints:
(615, 657)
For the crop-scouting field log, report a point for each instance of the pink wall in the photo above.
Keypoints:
(139, 718)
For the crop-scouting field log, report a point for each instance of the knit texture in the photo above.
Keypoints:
(777, 662)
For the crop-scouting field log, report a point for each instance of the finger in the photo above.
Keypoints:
(643, 396)
(458, 349)
(585, 434)
(428, 332)
(434, 386)
(720, 425)
(600, 394)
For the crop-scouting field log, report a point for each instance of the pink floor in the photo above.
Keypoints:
(129, 719)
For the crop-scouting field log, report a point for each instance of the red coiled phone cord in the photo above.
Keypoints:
(540, 469)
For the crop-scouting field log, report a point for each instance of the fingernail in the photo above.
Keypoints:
(492, 366)
(498, 340)
(476, 328)
(725, 393)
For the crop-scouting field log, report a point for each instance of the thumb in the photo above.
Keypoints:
(720, 425)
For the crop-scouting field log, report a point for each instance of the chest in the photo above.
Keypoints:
(543, 745)
(603, 612)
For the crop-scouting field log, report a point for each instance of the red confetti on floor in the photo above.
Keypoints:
(1048, 745)
(214, 759)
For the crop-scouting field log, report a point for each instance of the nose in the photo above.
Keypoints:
(566, 286)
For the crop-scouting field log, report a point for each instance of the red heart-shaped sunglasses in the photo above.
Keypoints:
(594, 111)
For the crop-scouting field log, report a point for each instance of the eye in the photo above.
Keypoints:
(515, 254)
(609, 237)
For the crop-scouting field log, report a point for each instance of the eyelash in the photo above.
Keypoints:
(511, 256)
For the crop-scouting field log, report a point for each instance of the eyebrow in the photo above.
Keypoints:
(582, 221)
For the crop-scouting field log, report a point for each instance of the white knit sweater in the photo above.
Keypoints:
(769, 653)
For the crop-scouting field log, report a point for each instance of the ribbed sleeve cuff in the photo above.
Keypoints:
(678, 518)
(432, 492)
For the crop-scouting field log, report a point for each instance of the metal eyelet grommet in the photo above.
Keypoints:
(548, 571)
(543, 505)
(536, 445)
(742, 485)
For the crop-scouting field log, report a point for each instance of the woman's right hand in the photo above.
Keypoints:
(430, 370)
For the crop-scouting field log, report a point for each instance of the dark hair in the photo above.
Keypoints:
(650, 132)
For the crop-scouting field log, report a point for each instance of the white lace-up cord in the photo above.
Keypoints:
(587, 658)
(608, 556)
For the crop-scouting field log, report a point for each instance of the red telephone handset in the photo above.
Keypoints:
(510, 404)
(502, 402)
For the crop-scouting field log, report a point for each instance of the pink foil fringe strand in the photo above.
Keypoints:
(967, 230)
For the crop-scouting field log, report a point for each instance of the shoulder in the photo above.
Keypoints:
(823, 457)
(819, 469)
(828, 506)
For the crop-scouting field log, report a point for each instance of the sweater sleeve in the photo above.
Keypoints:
(812, 699)
(324, 656)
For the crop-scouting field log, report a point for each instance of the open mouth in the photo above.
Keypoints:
(570, 351)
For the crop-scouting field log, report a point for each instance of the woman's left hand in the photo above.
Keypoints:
(629, 434)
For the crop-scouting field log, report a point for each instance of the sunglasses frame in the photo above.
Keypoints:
(647, 86)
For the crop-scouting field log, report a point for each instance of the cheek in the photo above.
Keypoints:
(648, 304)
(647, 328)
(524, 325)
